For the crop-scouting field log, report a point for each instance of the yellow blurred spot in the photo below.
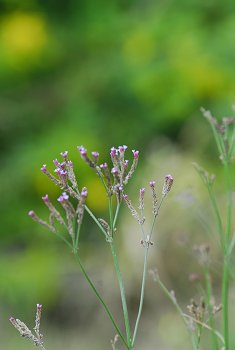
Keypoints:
(23, 35)
(97, 198)
(198, 70)
(139, 48)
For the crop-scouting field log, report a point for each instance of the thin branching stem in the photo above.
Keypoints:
(214, 340)
(142, 293)
(95, 220)
(116, 214)
(64, 240)
(155, 217)
(225, 279)
(180, 311)
(118, 272)
(217, 214)
(122, 292)
(101, 300)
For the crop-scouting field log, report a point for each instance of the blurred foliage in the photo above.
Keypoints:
(99, 73)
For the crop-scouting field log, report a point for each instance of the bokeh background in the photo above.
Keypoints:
(102, 73)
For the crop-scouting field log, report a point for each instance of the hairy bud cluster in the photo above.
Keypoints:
(65, 178)
(119, 174)
(168, 181)
(25, 332)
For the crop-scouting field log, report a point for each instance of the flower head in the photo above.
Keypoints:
(135, 154)
(142, 191)
(114, 171)
(122, 149)
(44, 168)
(32, 214)
(82, 150)
(84, 192)
(152, 184)
(56, 162)
(113, 152)
(168, 182)
(95, 155)
(64, 154)
(45, 198)
(104, 166)
(63, 198)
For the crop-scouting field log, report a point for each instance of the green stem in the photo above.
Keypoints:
(217, 214)
(116, 214)
(199, 335)
(64, 240)
(111, 215)
(101, 300)
(229, 202)
(214, 339)
(96, 220)
(225, 290)
(77, 236)
(118, 271)
(122, 292)
(178, 308)
(142, 294)
(225, 280)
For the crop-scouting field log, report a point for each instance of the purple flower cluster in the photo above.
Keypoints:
(66, 180)
(139, 216)
(119, 171)
(118, 175)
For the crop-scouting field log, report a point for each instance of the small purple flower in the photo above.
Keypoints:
(126, 163)
(60, 172)
(63, 198)
(39, 306)
(135, 154)
(142, 191)
(168, 182)
(55, 161)
(63, 165)
(70, 163)
(114, 171)
(125, 197)
(113, 152)
(152, 184)
(32, 214)
(104, 166)
(95, 155)
(45, 198)
(122, 148)
(64, 154)
(82, 150)
(44, 168)
(63, 173)
(169, 178)
(84, 192)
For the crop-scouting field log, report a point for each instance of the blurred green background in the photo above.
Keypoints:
(103, 73)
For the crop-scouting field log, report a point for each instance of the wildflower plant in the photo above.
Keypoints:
(202, 315)
(68, 226)
(224, 135)
(36, 337)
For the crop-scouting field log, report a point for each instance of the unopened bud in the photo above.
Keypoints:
(167, 184)
(135, 154)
